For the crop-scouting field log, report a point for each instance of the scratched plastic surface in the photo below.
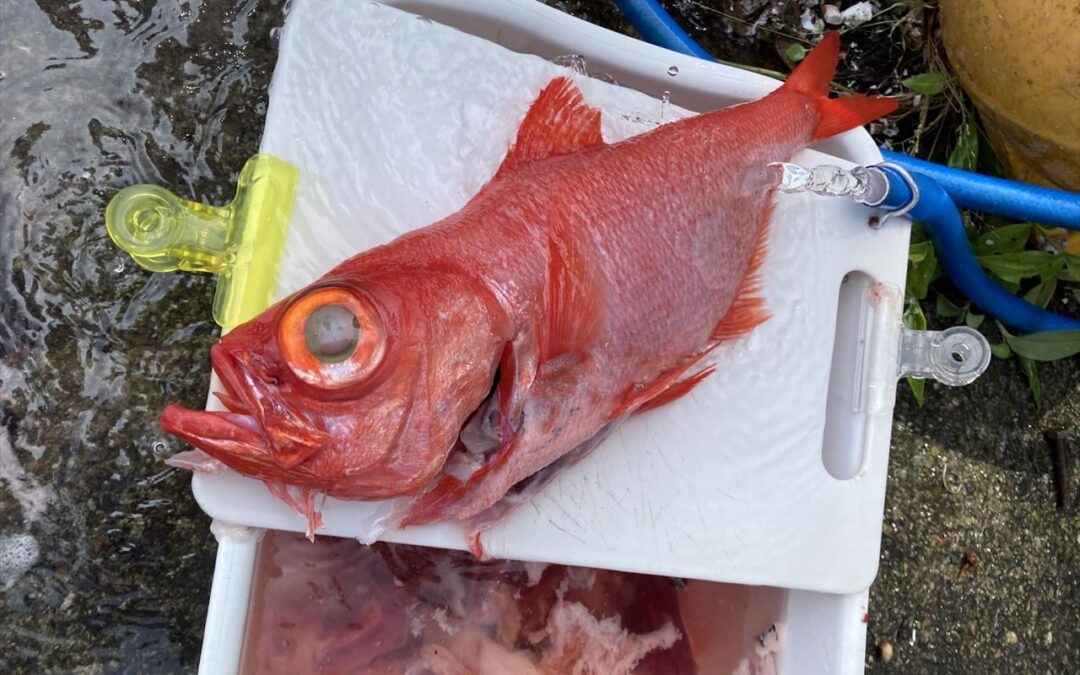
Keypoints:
(337, 606)
(396, 121)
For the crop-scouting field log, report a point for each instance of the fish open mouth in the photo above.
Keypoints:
(261, 429)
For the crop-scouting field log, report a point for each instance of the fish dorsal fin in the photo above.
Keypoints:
(573, 295)
(558, 122)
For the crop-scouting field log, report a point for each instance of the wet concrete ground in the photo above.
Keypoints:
(99, 95)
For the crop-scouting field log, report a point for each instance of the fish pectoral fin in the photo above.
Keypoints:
(572, 316)
(517, 370)
(747, 311)
(558, 122)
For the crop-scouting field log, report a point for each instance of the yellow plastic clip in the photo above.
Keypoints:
(242, 242)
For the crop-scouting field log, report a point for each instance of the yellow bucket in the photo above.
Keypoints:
(1020, 63)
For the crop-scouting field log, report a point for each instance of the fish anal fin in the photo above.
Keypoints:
(676, 391)
(573, 294)
(665, 388)
(747, 310)
(558, 122)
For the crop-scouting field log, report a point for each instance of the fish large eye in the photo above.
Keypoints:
(332, 333)
(332, 338)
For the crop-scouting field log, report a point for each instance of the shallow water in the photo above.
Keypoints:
(95, 96)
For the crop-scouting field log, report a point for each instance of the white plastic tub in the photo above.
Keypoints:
(825, 632)
(772, 473)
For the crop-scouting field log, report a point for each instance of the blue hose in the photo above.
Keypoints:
(997, 195)
(656, 26)
(939, 216)
(936, 209)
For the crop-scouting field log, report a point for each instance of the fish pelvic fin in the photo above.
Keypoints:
(558, 122)
(545, 445)
(302, 501)
(747, 310)
(835, 115)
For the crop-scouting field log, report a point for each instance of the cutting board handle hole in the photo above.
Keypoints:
(842, 449)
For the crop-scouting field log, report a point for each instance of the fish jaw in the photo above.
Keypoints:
(226, 436)
(261, 429)
(290, 436)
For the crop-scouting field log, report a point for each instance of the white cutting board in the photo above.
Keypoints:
(396, 121)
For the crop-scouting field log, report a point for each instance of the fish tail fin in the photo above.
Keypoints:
(835, 115)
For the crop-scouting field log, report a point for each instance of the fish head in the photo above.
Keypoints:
(358, 385)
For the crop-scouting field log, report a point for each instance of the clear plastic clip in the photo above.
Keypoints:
(955, 356)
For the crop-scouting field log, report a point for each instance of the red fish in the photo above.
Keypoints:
(467, 362)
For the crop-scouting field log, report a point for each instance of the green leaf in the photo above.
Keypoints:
(918, 235)
(1041, 294)
(944, 307)
(923, 266)
(1049, 346)
(913, 315)
(796, 52)
(915, 320)
(1010, 286)
(1008, 239)
(917, 252)
(926, 84)
(1032, 372)
(1013, 267)
(1000, 350)
(1070, 271)
(965, 155)
(918, 388)
(974, 319)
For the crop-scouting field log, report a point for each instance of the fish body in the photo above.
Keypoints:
(466, 363)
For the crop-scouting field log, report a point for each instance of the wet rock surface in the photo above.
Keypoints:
(94, 97)
(979, 569)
